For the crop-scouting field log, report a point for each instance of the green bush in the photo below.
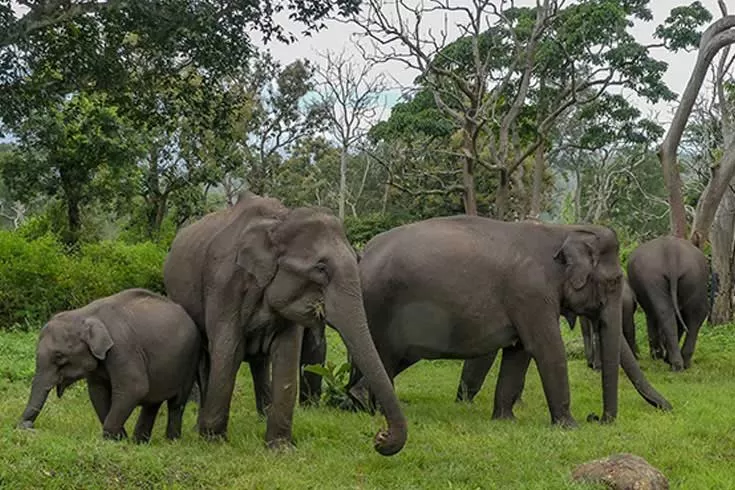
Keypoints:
(38, 278)
(362, 228)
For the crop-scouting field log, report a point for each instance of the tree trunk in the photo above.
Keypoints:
(384, 204)
(501, 195)
(578, 196)
(717, 35)
(468, 171)
(539, 165)
(74, 217)
(342, 182)
(722, 253)
(156, 214)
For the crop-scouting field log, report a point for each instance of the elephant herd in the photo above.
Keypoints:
(257, 282)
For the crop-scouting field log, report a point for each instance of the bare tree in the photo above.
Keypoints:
(349, 95)
(18, 210)
(717, 36)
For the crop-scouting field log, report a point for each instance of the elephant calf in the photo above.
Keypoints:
(134, 348)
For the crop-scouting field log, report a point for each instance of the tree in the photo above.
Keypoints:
(514, 71)
(349, 97)
(64, 148)
(279, 117)
(679, 33)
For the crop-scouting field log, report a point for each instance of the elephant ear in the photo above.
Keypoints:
(258, 253)
(97, 337)
(580, 255)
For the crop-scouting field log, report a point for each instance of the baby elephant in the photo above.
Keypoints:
(134, 348)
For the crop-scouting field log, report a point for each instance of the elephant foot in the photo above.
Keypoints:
(677, 367)
(213, 435)
(566, 422)
(141, 438)
(25, 425)
(503, 415)
(114, 435)
(281, 445)
(605, 419)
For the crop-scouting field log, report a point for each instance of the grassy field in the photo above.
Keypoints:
(450, 445)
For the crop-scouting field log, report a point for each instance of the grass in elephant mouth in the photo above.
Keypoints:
(450, 445)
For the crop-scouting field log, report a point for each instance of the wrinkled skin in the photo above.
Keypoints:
(134, 348)
(589, 332)
(463, 287)
(669, 276)
(252, 277)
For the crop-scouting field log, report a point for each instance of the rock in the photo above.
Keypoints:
(622, 472)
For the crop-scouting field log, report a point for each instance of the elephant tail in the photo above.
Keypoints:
(673, 288)
(636, 376)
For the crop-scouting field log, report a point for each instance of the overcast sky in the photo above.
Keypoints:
(338, 35)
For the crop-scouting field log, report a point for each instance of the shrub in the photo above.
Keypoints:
(38, 278)
(361, 229)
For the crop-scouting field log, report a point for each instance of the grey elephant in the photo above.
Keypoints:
(474, 371)
(589, 330)
(135, 348)
(252, 277)
(463, 287)
(669, 276)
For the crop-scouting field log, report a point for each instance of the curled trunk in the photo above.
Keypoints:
(636, 376)
(345, 312)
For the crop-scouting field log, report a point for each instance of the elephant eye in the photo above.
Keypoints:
(321, 272)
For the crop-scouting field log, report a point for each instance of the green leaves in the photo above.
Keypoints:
(680, 30)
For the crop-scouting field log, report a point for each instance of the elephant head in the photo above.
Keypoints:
(69, 348)
(592, 287)
(308, 274)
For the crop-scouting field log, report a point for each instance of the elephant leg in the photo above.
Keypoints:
(285, 353)
(261, 383)
(313, 351)
(226, 354)
(122, 405)
(591, 343)
(99, 395)
(146, 420)
(654, 339)
(667, 322)
(511, 380)
(694, 320)
(175, 418)
(473, 376)
(542, 339)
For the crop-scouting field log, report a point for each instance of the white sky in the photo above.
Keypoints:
(337, 35)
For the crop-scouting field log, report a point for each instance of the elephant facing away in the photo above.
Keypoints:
(463, 287)
(252, 277)
(134, 348)
(669, 276)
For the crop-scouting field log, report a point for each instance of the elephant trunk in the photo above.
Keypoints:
(39, 392)
(611, 333)
(636, 376)
(345, 312)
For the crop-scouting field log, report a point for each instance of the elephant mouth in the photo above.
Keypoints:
(62, 386)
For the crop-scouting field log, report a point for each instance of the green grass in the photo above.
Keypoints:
(450, 445)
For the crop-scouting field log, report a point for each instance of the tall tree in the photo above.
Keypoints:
(510, 60)
(63, 148)
(349, 95)
(679, 32)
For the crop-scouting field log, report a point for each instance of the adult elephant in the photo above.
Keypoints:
(252, 277)
(475, 371)
(669, 276)
(463, 287)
